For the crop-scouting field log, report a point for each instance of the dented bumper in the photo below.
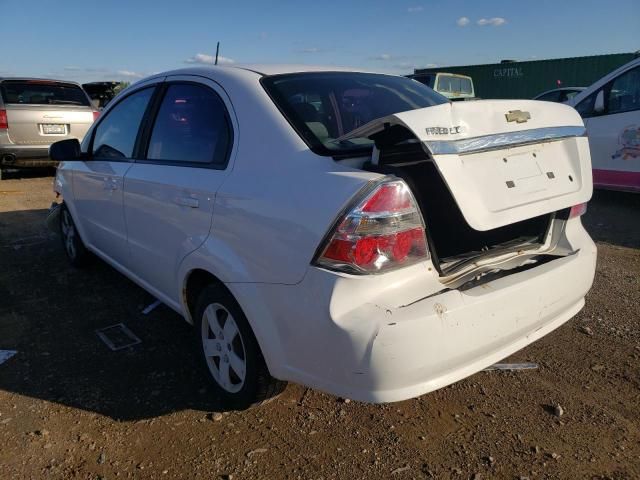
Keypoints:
(393, 337)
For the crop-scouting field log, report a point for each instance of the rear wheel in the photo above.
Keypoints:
(229, 351)
(77, 253)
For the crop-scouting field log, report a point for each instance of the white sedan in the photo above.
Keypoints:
(353, 232)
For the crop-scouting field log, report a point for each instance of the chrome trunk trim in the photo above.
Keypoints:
(497, 141)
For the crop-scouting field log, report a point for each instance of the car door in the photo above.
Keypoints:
(614, 133)
(169, 194)
(98, 181)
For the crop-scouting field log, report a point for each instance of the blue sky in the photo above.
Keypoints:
(126, 40)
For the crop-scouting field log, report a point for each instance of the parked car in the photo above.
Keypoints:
(560, 95)
(34, 113)
(452, 85)
(611, 112)
(353, 232)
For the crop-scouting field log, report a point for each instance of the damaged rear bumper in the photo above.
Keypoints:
(377, 339)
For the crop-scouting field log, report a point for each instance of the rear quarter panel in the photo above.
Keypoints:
(277, 204)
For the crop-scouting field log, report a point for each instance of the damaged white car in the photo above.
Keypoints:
(353, 232)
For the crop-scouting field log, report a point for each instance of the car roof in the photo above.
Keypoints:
(32, 79)
(603, 80)
(255, 69)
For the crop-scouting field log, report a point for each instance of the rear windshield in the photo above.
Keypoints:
(323, 106)
(454, 84)
(36, 92)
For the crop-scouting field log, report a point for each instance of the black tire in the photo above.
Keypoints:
(73, 246)
(258, 386)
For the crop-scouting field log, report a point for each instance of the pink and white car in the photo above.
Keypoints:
(611, 112)
(354, 232)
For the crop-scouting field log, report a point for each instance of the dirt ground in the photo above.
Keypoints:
(71, 408)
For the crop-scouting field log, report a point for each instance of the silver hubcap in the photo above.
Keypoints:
(68, 234)
(223, 348)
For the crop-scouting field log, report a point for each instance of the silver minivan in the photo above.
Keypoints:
(34, 113)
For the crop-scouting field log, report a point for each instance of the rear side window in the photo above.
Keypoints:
(585, 107)
(191, 127)
(37, 92)
(444, 84)
(624, 94)
(568, 95)
(115, 136)
(465, 85)
(553, 96)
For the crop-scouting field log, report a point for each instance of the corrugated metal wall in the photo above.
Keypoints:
(527, 79)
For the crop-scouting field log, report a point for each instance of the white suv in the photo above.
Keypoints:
(354, 232)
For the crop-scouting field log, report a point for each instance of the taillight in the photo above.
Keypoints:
(578, 210)
(3, 120)
(383, 231)
(95, 115)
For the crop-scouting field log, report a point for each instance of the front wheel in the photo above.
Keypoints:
(77, 253)
(230, 353)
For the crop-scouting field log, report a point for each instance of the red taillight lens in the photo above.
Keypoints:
(578, 210)
(382, 232)
(3, 120)
(391, 197)
(95, 115)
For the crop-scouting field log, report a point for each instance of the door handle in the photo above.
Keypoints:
(187, 201)
(110, 184)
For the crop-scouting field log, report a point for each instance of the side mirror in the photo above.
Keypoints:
(65, 150)
(598, 106)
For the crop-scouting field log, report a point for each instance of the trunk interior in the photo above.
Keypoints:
(450, 237)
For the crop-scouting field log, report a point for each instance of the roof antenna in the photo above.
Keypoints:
(217, 50)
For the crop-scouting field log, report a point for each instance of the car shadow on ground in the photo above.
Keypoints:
(608, 218)
(49, 313)
(26, 173)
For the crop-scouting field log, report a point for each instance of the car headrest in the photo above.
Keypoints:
(306, 111)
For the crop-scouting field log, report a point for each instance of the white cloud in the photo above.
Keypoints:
(204, 59)
(72, 68)
(129, 74)
(494, 21)
(415, 9)
(463, 21)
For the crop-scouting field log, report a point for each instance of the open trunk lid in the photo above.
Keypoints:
(503, 161)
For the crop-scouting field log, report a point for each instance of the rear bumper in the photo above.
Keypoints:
(25, 156)
(378, 340)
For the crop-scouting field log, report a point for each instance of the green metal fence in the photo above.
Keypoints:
(527, 79)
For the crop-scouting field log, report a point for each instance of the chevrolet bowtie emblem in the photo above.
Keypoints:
(517, 116)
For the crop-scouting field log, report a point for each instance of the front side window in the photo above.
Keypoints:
(324, 106)
(115, 136)
(191, 127)
(585, 107)
(42, 92)
(624, 95)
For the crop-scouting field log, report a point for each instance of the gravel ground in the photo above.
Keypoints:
(71, 408)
